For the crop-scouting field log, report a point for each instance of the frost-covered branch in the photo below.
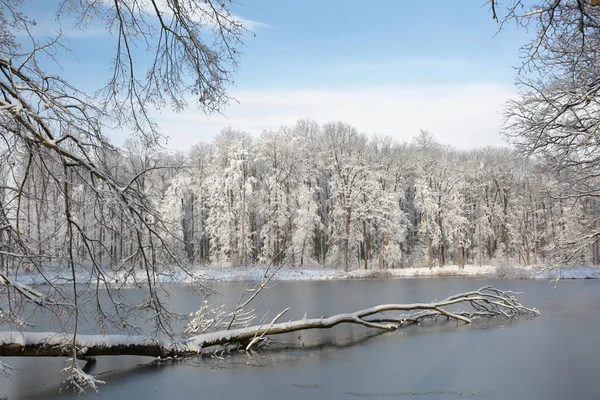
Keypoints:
(68, 198)
(485, 302)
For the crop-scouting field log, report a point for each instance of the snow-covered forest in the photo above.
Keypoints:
(319, 195)
(316, 195)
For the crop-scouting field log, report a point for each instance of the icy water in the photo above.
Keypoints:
(555, 356)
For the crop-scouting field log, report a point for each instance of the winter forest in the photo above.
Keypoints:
(108, 237)
(312, 195)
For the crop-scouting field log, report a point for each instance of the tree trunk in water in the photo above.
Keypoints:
(490, 303)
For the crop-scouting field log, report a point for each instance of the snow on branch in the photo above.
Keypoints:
(79, 380)
(484, 302)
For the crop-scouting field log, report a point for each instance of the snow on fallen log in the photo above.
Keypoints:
(485, 302)
(52, 344)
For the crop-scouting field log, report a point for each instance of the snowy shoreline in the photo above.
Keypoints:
(243, 274)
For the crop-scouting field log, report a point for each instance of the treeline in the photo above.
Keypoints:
(331, 196)
(314, 195)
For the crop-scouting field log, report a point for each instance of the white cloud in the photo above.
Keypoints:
(200, 11)
(250, 24)
(47, 24)
(465, 116)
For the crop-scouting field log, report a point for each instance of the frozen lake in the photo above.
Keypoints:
(555, 356)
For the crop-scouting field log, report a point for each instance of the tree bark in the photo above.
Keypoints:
(347, 238)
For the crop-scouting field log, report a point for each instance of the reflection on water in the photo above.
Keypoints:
(556, 356)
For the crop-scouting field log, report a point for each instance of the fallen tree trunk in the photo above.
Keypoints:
(485, 302)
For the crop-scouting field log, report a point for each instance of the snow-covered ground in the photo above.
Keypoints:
(531, 272)
(303, 274)
(236, 274)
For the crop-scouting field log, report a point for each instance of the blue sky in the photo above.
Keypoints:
(339, 43)
(389, 67)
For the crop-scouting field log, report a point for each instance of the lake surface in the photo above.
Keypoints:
(555, 356)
